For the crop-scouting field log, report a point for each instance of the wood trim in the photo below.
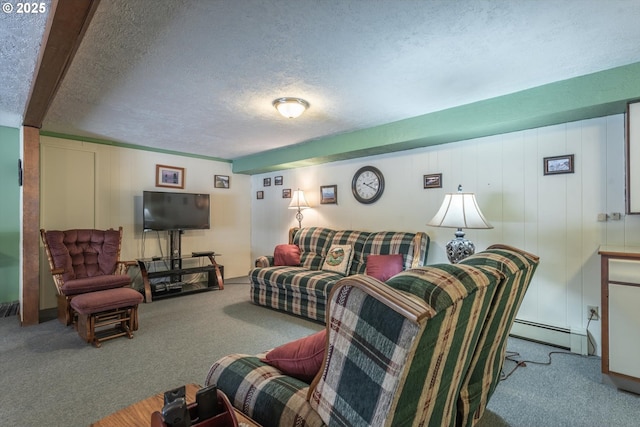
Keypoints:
(604, 304)
(30, 227)
(627, 183)
(70, 22)
(620, 252)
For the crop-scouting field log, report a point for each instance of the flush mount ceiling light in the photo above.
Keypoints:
(290, 107)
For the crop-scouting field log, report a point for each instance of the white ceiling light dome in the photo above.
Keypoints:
(290, 107)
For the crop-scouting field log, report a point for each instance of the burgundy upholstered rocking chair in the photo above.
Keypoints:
(83, 261)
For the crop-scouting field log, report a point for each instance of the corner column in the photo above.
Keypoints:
(30, 309)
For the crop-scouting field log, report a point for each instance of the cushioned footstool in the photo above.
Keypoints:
(103, 315)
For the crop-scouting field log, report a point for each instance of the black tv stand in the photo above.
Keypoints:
(205, 253)
(171, 267)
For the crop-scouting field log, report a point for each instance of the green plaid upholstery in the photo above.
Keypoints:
(484, 373)
(357, 239)
(264, 261)
(386, 368)
(304, 290)
(262, 392)
(295, 290)
(314, 243)
(412, 246)
(425, 348)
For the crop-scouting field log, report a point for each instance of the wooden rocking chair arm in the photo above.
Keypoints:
(123, 266)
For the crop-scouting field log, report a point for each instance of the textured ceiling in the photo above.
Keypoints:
(20, 40)
(199, 76)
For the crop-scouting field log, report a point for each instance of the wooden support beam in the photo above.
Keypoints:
(71, 19)
(30, 310)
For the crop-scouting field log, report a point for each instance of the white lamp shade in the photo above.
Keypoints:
(291, 107)
(298, 200)
(459, 210)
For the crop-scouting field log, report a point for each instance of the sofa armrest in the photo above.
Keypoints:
(292, 233)
(264, 261)
(262, 392)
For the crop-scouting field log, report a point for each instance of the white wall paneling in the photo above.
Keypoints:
(553, 216)
(114, 185)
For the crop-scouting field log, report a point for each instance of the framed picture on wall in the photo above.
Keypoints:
(328, 194)
(266, 182)
(260, 195)
(278, 180)
(221, 181)
(169, 176)
(558, 164)
(433, 180)
(286, 193)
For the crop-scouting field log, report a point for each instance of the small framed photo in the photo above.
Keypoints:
(266, 182)
(433, 180)
(328, 194)
(277, 180)
(169, 176)
(558, 164)
(286, 193)
(260, 195)
(221, 181)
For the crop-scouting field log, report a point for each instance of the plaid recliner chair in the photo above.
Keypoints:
(396, 354)
(483, 376)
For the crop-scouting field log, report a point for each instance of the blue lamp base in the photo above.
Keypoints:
(459, 248)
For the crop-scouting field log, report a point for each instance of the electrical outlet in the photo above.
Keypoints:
(593, 313)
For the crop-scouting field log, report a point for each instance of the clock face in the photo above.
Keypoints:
(367, 184)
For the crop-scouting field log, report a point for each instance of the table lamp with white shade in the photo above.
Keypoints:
(459, 210)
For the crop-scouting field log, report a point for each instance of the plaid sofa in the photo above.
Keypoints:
(303, 290)
(425, 348)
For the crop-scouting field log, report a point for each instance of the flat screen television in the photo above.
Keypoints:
(175, 211)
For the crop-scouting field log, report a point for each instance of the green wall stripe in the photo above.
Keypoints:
(9, 215)
(132, 146)
(585, 97)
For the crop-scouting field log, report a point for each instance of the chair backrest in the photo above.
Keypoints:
(413, 246)
(76, 254)
(486, 366)
(314, 243)
(397, 352)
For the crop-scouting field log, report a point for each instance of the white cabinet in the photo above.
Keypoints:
(621, 316)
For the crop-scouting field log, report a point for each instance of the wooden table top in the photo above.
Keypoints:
(139, 413)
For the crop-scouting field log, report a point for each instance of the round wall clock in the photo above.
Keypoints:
(367, 184)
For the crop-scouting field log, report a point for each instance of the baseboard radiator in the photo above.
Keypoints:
(573, 339)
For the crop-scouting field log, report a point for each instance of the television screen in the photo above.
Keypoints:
(175, 211)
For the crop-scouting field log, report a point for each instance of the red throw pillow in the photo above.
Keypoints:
(301, 358)
(383, 267)
(286, 255)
